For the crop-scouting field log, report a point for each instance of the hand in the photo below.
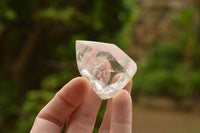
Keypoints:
(77, 104)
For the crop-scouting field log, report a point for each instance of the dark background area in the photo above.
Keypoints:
(37, 54)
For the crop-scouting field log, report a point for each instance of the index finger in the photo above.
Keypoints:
(52, 117)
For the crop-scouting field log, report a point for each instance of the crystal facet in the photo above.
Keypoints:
(106, 66)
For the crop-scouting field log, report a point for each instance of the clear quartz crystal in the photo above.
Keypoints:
(106, 66)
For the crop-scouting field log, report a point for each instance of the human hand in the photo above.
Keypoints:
(77, 104)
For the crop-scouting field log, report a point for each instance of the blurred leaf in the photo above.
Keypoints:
(182, 20)
(48, 12)
(35, 101)
(10, 14)
(165, 56)
(63, 15)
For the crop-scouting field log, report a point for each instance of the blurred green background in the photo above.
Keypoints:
(37, 55)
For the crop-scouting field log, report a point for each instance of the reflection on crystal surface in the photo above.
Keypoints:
(106, 66)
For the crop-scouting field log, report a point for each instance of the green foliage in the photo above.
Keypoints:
(63, 15)
(167, 73)
(176, 82)
(195, 80)
(35, 101)
(183, 19)
(8, 97)
(172, 66)
(10, 14)
(165, 56)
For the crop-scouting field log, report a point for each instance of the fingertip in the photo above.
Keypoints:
(80, 82)
(122, 98)
(76, 90)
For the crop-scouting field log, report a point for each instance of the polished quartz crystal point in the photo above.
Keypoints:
(106, 66)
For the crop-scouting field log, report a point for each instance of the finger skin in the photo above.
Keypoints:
(106, 123)
(83, 119)
(121, 117)
(52, 117)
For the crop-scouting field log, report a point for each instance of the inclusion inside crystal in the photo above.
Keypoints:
(106, 66)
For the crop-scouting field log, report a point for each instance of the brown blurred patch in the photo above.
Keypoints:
(161, 115)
